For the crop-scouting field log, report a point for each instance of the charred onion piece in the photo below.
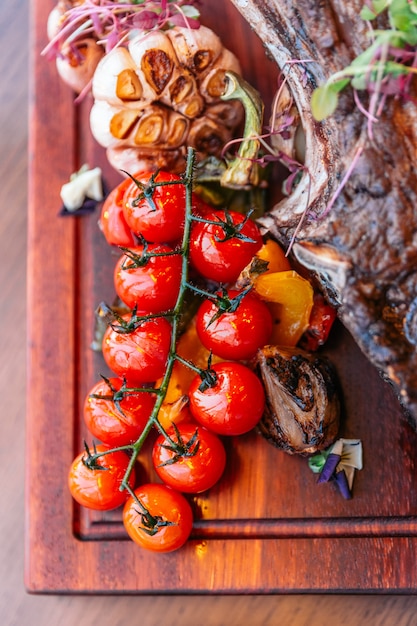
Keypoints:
(302, 408)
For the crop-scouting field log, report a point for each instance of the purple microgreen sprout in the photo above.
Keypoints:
(111, 23)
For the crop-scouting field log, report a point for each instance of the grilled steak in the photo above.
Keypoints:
(364, 248)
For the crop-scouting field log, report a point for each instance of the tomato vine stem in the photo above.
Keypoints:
(175, 315)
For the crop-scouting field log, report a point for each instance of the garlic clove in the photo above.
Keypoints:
(213, 86)
(155, 61)
(83, 184)
(128, 86)
(76, 68)
(106, 81)
(184, 95)
(208, 136)
(101, 115)
(112, 125)
(151, 126)
(196, 48)
(230, 114)
(122, 123)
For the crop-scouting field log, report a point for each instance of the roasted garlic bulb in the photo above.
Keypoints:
(303, 407)
(162, 93)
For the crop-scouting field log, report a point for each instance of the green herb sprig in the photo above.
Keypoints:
(384, 68)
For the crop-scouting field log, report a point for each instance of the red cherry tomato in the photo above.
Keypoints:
(154, 286)
(112, 221)
(194, 463)
(233, 405)
(216, 253)
(112, 425)
(99, 489)
(158, 217)
(141, 354)
(158, 518)
(235, 335)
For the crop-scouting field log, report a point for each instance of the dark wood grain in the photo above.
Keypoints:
(267, 527)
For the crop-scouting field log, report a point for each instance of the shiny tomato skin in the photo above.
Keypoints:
(99, 489)
(152, 287)
(112, 221)
(104, 420)
(190, 474)
(170, 505)
(238, 335)
(161, 219)
(222, 261)
(234, 405)
(140, 355)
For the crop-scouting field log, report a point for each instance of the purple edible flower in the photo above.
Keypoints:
(342, 482)
(328, 471)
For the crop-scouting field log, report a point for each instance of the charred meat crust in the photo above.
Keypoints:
(372, 226)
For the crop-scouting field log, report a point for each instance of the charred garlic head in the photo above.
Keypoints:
(161, 93)
(302, 408)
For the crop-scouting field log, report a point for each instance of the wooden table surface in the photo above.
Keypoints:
(17, 608)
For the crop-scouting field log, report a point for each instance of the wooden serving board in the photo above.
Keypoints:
(267, 527)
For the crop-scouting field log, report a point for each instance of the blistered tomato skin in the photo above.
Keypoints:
(112, 221)
(141, 355)
(194, 472)
(235, 335)
(154, 286)
(165, 505)
(99, 489)
(160, 217)
(234, 405)
(110, 425)
(217, 257)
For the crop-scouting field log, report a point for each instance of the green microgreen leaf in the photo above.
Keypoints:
(386, 57)
(324, 102)
(367, 13)
(190, 11)
(378, 6)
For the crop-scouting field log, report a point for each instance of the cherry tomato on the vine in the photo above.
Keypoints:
(219, 251)
(150, 282)
(192, 462)
(238, 334)
(141, 354)
(158, 216)
(99, 488)
(112, 425)
(112, 221)
(233, 405)
(158, 518)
